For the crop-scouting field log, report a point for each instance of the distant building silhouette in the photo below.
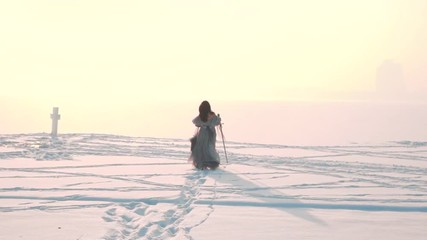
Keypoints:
(390, 80)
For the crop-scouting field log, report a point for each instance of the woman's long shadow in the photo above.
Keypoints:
(263, 196)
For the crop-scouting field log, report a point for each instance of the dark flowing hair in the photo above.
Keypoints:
(204, 110)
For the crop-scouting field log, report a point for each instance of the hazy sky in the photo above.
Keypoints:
(112, 54)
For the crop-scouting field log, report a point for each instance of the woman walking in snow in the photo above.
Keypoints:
(203, 151)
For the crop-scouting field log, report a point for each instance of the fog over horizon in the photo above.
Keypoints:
(391, 112)
(288, 123)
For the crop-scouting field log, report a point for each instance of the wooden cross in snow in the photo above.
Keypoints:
(55, 117)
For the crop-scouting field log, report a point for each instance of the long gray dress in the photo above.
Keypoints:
(204, 154)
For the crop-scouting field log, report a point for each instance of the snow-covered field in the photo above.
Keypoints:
(95, 186)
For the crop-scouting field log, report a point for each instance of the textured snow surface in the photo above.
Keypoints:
(99, 186)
